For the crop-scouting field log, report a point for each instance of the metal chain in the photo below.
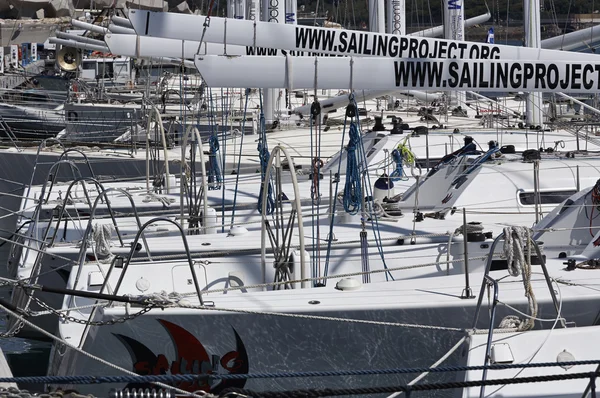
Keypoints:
(12, 333)
(13, 392)
(69, 318)
(17, 329)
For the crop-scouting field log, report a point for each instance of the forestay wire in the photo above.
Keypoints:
(264, 155)
(237, 176)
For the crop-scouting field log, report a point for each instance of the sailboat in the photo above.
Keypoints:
(375, 319)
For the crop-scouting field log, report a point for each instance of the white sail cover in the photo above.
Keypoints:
(296, 38)
(356, 73)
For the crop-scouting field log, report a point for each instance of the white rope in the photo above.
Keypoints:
(102, 235)
(470, 227)
(511, 322)
(380, 210)
(515, 239)
(514, 242)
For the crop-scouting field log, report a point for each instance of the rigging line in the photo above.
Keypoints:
(224, 125)
(528, 361)
(566, 23)
(315, 112)
(237, 176)
(263, 153)
(435, 365)
(337, 184)
(369, 191)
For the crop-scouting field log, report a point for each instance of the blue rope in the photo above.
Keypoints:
(264, 155)
(353, 192)
(84, 379)
(214, 168)
(335, 195)
(397, 174)
(237, 176)
(369, 193)
(213, 172)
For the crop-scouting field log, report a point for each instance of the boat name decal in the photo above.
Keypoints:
(191, 358)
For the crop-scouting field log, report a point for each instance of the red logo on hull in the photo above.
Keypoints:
(191, 358)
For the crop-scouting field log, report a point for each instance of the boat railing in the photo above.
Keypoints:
(9, 133)
(99, 197)
(154, 115)
(85, 158)
(88, 199)
(36, 268)
(33, 231)
(574, 129)
(489, 281)
(40, 147)
(89, 229)
(54, 171)
(33, 234)
(117, 262)
(134, 249)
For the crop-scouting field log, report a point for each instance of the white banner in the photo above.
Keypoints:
(14, 56)
(330, 41)
(427, 75)
(158, 47)
(2, 59)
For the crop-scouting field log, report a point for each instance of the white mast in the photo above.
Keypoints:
(533, 39)
(396, 25)
(396, 21)
(240, 9)
(377, 16)
(291, 12)
(253, 10)
(230, 8)
(273, 11)
(454, 29)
